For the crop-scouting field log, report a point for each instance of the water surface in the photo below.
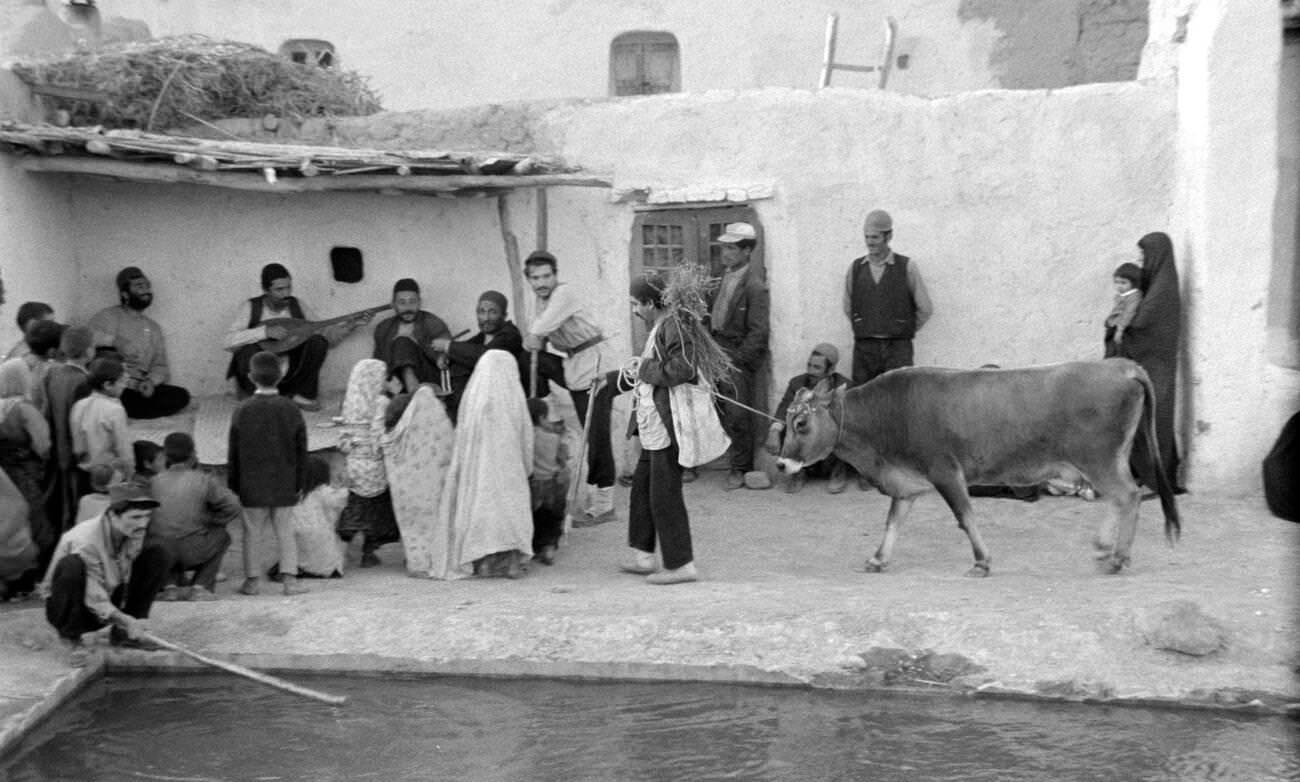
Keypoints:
(207, 728)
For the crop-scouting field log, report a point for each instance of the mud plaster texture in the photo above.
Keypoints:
(783, 600)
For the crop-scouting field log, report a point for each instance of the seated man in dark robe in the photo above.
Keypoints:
(405, 341)
(821, 376)
(495, 332)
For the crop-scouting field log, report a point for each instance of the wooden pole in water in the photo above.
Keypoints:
(247, 673)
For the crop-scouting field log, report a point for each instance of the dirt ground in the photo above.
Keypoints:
(784, 599)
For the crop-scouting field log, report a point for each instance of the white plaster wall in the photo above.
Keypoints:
(204, 248)
(1227, 144)
(457, 53)
(1017, 205)
(37, 261)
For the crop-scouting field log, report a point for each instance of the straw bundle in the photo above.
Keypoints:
(686, 299)
(174, 81)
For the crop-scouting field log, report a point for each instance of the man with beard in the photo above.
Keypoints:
(138, 339)
(300, 366)
(494, 333)
(405, 341)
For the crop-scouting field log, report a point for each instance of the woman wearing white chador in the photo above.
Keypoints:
(417, 452)
(486, 505)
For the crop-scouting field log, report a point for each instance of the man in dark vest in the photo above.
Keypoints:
(302, 375)
(886, 302)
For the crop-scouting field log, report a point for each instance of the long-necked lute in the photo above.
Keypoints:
(299, 330)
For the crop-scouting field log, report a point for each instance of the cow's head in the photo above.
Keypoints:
(810, 429)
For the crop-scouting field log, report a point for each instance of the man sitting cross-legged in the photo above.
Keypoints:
(190, 522)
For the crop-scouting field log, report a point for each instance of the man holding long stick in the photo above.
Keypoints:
(103, 573)
(561, 319)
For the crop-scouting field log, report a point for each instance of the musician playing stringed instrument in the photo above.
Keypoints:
(277, 320)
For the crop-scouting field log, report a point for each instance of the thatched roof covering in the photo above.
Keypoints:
(279, 168)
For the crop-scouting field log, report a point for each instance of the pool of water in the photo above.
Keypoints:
(205, 728)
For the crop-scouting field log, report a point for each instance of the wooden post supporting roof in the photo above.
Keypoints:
(541, 218)
(512, 259)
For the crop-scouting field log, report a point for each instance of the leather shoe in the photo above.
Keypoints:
(735, 480)
(638, 563)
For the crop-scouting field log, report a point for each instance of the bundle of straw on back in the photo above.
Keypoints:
(174, 81)
(686, 299)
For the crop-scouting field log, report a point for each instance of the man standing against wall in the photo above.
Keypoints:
(138, 339)
(738, 319)
(886, 302)
(561, 318)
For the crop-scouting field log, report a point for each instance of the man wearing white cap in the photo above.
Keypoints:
(886, 301)
(739, 321)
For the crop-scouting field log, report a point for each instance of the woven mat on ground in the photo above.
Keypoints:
(207, 420)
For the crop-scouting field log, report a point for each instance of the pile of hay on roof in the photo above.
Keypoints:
(172, 82)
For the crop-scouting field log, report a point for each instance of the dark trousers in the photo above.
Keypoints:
(166, 400)
(199, 551)
(405, 353)
(873, 357)
(737, 421)
(303, 377)
(658, 509)
(548, 498)
(66, 609)
(600, 450)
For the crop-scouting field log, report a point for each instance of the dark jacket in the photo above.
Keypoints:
(267, 459)
(744, 330)
(428, 327)
(667, 367)
(465, 354)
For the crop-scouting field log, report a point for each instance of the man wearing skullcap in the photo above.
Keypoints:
(405, 341)
(300, 366)
(885, 300)
(495, 332)
(137, 339)
(819, 376)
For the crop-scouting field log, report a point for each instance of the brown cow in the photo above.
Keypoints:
(914, 429)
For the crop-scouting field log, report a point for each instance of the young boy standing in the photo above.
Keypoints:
(1128, 278)
(98, 422)
(267, 464)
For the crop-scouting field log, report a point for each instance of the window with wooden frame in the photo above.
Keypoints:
(310, 51)
(644, 63)
(663, 239)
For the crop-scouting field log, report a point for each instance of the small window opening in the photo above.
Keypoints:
(644, 63)
(346, 264)
(310, 51)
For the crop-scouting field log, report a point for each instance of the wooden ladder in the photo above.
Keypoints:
(886, 62)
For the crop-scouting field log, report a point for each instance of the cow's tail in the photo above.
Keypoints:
(1164, 487)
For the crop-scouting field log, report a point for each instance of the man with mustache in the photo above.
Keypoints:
(405, 341)
(138, 339)
(495, 332)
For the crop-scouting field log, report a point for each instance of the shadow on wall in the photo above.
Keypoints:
(1058, 43)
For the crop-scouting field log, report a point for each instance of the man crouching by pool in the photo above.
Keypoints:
(102, 573)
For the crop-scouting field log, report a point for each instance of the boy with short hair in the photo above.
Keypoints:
(267, 462)
(98, 422)
(1128, 280)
